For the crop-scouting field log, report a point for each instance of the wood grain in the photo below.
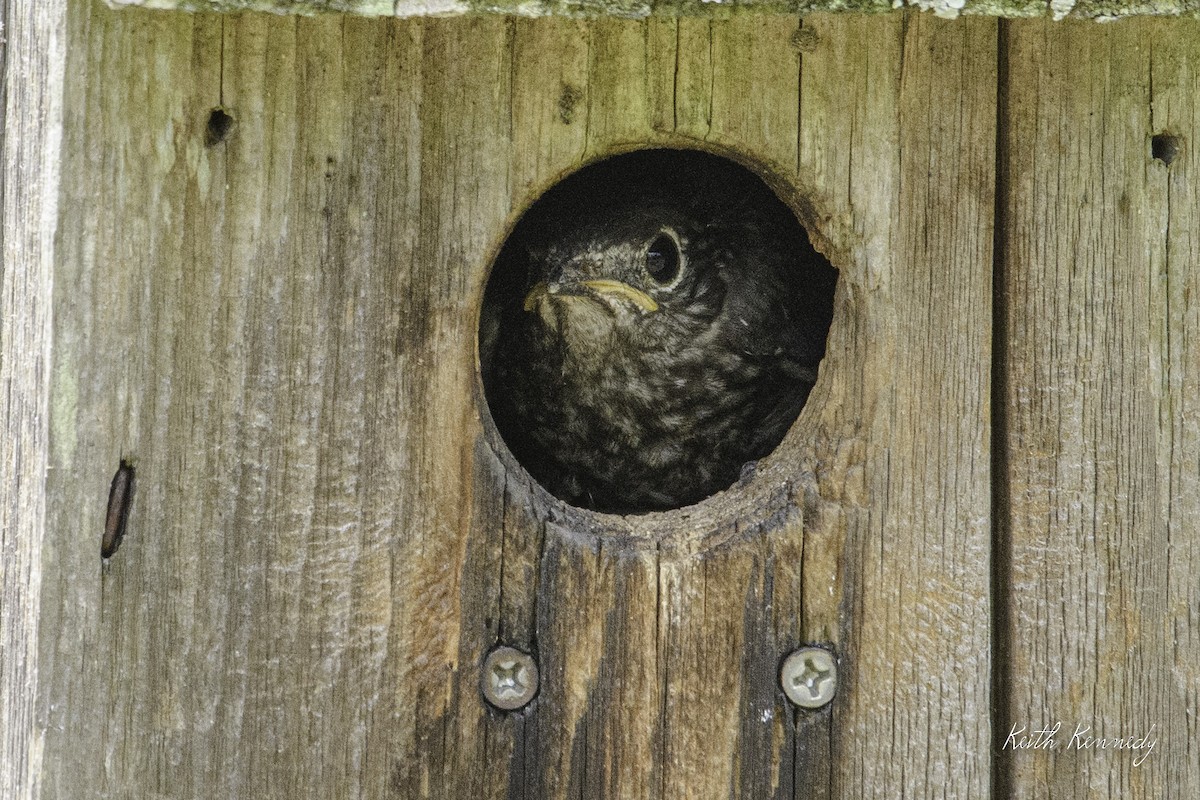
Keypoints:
(31, 108)
(908, 467)
(329, 537)
(1099, 330)
(279, 330)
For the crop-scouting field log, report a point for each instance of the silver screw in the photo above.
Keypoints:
(809, 677)
(510, 678)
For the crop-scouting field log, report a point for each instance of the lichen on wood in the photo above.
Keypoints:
(1102, 10)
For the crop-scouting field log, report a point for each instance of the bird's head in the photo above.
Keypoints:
(630, 270)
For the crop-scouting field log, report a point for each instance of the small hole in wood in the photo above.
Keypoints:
(220, 125)
(1165, 147)
(652, 325)
(569, 98)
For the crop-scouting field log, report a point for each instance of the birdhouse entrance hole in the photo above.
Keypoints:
(652, 326)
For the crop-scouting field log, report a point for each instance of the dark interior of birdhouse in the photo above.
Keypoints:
(652, 327)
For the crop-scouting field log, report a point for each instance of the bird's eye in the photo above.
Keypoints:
(662, 259)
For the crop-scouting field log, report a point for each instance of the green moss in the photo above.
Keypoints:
(372, 8)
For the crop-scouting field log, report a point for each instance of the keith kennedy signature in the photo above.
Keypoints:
(1046, 738)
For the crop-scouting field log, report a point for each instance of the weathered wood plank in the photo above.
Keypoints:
(231, 322)
(31, 105)
(644, 694)
(1175, 117)
(280, 327)
(451, 615)
(728, 591)
(621, 72)
(897, 131)
(1097, 266)
(769, 63)
(103, 346)
(551, 60)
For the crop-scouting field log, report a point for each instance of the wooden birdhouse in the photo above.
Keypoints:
(261, 538)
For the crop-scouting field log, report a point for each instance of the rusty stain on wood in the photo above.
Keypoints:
(120, 498)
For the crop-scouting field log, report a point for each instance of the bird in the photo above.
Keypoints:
(652, 327)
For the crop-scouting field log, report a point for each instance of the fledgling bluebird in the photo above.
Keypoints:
(654, 322)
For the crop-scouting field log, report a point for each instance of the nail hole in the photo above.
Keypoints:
(569, 98)
(805, 40)
(1165, 146)
(219, 126)
(120, 497)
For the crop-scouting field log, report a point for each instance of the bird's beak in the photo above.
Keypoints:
(599, 286)
(535, 294)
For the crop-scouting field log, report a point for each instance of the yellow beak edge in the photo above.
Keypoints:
(601, 286)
